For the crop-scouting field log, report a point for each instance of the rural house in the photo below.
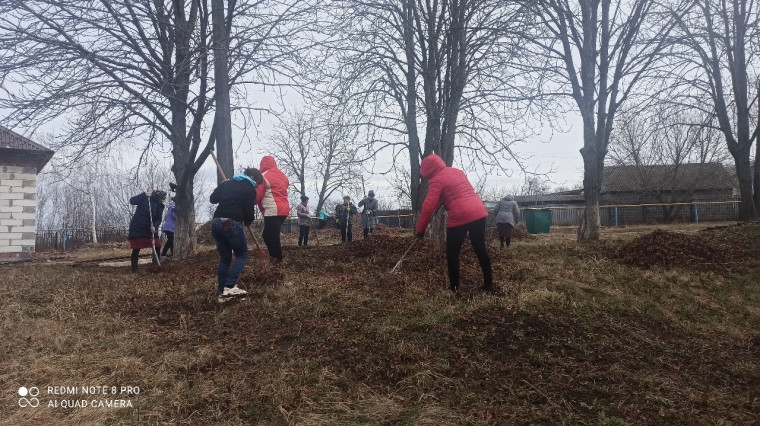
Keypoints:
(667, 183)
(20, 162)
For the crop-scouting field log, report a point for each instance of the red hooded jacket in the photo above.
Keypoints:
(450, 187)
(274, 194)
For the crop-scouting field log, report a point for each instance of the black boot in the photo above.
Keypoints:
(506, 240)
(133, 259)
(455, 291)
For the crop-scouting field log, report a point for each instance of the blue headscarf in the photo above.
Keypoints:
(241, 176)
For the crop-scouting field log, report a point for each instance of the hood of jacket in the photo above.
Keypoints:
(267, 163)
(508, 198)
(431, 165)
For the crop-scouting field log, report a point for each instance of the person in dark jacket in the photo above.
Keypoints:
(467, 214)
(507, 216)
(344, 218)
(367, 219)
(304, 221)
(236, 199)
(144, 224)
(168, 229)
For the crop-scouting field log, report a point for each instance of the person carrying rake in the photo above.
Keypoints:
(467, 214)
(144, 224)
(236, 199)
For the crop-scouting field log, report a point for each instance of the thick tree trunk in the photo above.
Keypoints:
(184, 230)
(590, 227)
(411, 110)
(756, 179)
(222, 119)
(747, 210)
(92, 216)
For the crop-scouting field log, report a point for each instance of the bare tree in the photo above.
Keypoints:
(669, 157)
(337, 164)
(596, 52)
(138, 69)
(444, 62)
(533, 186)
(711, 65)
(292, 144)
(661, 137)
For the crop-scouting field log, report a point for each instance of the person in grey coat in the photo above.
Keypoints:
(303, 221)
(367, 220)
(507, 216)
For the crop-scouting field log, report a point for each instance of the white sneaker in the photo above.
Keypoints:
(234, 291)
(223, 299)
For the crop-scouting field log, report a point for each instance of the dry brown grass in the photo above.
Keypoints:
(333, 339)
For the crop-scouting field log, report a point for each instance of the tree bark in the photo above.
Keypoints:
(744, 175)
(92, 215)
(222, 119)
(184, 230)
(756, 180)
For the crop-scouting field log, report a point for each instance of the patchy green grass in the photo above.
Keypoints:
(332, 338)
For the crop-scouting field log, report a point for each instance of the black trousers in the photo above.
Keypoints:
(169, 243)
(455, 239)
(271, 235)
(505, 233)
(303, 235)
(346, 233)
(136, 255)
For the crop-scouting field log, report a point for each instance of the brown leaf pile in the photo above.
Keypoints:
(667, 248)
(203, 234)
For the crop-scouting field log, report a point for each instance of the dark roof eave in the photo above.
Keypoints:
(23, 157)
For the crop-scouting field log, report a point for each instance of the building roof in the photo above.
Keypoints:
(667, 177)
(554, 199)
(17, 149)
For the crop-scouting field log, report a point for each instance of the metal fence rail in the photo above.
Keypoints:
(73, 238)
(650, 214)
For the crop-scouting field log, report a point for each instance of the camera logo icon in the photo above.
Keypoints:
(28, 397)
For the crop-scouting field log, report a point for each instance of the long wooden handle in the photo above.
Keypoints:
(218, 166)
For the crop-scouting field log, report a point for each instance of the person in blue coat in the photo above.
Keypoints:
(168, 229)
(142, 231)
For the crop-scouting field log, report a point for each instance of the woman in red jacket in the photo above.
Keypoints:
(467, 213)
(274, 204)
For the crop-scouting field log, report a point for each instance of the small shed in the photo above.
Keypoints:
(20, 162)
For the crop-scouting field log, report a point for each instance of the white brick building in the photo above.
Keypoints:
(20, 161)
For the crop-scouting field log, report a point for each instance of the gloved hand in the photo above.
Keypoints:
(420, 235)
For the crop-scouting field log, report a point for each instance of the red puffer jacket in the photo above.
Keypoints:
(274, 194)
(450, 187)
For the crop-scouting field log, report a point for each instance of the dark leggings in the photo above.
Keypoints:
(346, 233)
(454, 240)
(271, 235)
(169, 243)
(505, 233)
(136, 255)
(303, 235)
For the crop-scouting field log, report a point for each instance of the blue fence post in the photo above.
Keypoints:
(696, 213)
(616, 217)
(64, 240)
